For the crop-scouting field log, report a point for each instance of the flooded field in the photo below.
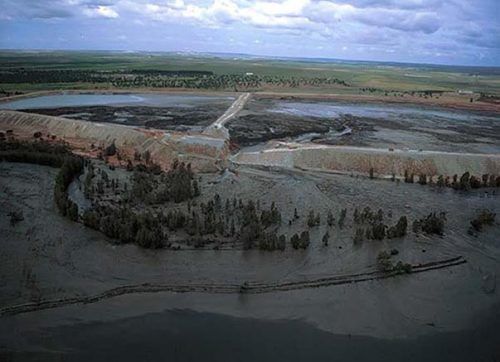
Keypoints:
(364, 124)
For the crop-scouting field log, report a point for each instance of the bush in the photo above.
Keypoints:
(431, 224)
(326, 238)
(110, 150)
(359, 235)
(313, 220)
(398, 230)
(485, 217)
(15, 217)
(422, 179)
(385, 263)
(343, 214)
(378, 231)
(402, 268)
(301, 242)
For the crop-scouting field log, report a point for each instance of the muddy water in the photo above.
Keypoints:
(389, 112)
(185, 335)
(400, 126)
(77, 100)
(48, 257)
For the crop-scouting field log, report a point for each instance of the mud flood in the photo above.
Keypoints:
(445, 314)
(363, 124)
(186, 335)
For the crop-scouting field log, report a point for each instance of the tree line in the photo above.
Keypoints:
(192, 79)
(53, 155)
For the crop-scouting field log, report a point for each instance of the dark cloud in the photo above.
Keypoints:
(40, 9)
(461, 30)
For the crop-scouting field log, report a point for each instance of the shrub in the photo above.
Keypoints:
(110, 150)
(295, 240)
(325, 239)
(359, 235)
(398, 230)
(343, 214)
(422, 179)
(378, 231)
(465, 182)
(313, 220)
(431, 224)
(485, 217)
(15, 217)
(330, 219)
(384, 261)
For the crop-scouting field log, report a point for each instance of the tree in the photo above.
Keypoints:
(147, 156)
(72, 211)
(378, 231)
(110, 150)
(304, 239)
(475, 183)
(282, 242)
(295, 240)
(359, 235)
(485, 217)
(311, 219)
(356, 216)
(330, 219)
(325, 239)
(465, 182)
(440, 182)
(15, 217)
(196, 189)
(343, 214)
(399, 230)
(431, 224)
(317, 219)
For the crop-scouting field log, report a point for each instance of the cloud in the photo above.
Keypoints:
(321, 16)
(100, 11)
(396, 27)
(58, 9)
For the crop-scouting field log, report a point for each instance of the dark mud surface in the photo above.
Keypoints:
(185, 335)
(385, 126)
(163, 111)
(46, 257)
(170, 118)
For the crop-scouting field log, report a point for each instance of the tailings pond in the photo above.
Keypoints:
(163, 111)
(368, 124)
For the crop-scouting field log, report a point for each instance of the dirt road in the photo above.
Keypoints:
(237, 106)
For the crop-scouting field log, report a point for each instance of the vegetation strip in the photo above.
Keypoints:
(247, 288)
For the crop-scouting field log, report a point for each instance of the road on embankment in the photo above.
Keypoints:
(237, 106)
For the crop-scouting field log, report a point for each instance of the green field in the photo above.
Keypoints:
(98, 70)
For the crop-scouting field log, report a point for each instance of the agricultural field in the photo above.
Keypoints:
(27, 71)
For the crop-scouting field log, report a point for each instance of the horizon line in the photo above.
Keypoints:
(278, 57)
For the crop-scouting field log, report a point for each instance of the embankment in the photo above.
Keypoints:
(205, 153)
(360, 160)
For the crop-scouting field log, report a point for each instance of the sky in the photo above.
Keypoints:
(465, 32)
